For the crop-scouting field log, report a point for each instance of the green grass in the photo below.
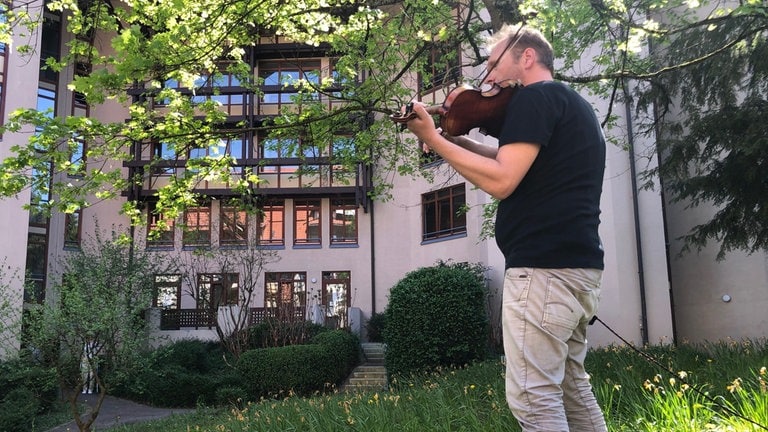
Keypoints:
(717, 387)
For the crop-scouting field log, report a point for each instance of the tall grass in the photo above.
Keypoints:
(712, 387)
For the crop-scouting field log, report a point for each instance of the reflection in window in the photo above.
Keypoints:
(336, 298)
(72, 229)
(343, 222)
(285, 290)
(443, 212)
(217, 289)
(3, 67)
(307, 222)
(35, 268)
(160, 232)
(280, 77)
(197, 225)
(167, 291)
(442, 68)
(271, 223)
(223, 87)
(77, 146)
(39, 198)
(234, 225)
(162, 153)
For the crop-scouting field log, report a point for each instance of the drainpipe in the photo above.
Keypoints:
(636, 211)
(373, 261)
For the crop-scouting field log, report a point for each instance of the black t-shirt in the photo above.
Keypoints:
(551, 220)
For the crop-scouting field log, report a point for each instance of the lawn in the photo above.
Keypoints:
(713, 387)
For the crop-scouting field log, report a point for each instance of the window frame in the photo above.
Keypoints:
(73, 235)
(276, 282)
(196, 231)
(158, 285)
(439, 222)
(227, 290)
(280, 90)
(167, 238)
(272, 207)
(236, 219)
(344, 205)
(312, 209)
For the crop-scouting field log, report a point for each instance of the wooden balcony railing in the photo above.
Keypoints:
(175, 319)
(287, 314)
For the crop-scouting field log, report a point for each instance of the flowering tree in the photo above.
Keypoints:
(93, 327)
(697, 56)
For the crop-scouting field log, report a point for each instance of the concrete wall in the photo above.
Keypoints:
(20, 88)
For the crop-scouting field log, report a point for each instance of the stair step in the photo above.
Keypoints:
(371, 375)
(373, 352)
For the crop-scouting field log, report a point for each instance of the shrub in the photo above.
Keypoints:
(190, 354)
(182, 374)
(272, 333)
(436, 317)
(375, 327)
(24, 373)
(232, 396)
(300, 369)
(18, 409)
(280, 371)
(344, 349)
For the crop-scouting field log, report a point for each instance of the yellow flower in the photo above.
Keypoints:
(648, 385)
(735, 385)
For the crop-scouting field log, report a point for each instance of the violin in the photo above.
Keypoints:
(466, 108)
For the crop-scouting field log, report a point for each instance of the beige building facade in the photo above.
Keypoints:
(337, 254)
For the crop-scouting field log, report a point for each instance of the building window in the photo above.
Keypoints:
(167, 291)
(35, 268)
(233, 222)
(197, 225)
(231, 147)
(72, 229)
(343, 222)
(442, 68)
(342, 148)
(217, 289)
(279, 77)
(77, 147)
(3, 67)
(272, 224)
(285, 290)
(162, 154)
(223, 87)
(336, 298)
(307, 220)
(443, 212)
(160, 232)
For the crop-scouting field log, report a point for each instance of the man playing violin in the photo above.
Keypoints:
(547, 174)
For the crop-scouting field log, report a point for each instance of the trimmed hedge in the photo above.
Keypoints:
(374, 327)
(299, 369)
(273, 333)
(436, 317)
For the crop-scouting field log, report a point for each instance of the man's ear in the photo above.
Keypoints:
(529, 57)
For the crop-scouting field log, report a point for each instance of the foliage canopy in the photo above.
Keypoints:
(678, 64)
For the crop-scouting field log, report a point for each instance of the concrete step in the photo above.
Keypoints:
(373, 352)
(367, 378)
